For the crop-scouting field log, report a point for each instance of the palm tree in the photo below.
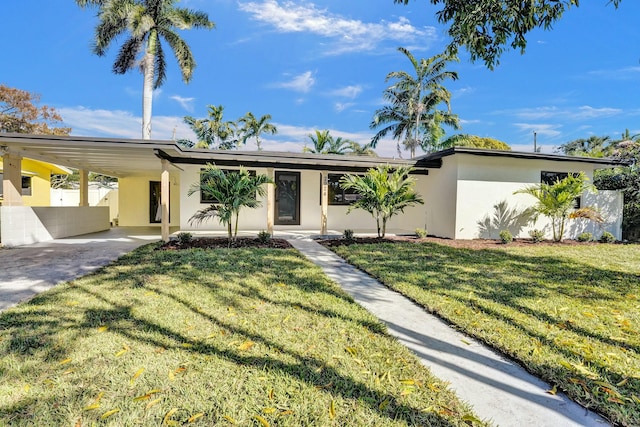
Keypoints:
(383, 192)
(321, 141)
(252, 127)
(213, 132)
(231, 191)
(413, 103)
(557, 201)
(361, 150)
(146, 22)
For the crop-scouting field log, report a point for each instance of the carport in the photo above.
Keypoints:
(113, 157)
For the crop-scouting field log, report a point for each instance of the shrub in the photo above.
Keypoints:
(536, 235)
(421, 233)
(348, 235)
(585, 237)
(184, 238)
(264, 236)
(607, 237)
(506, 237)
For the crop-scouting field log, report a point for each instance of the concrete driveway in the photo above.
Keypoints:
(28, 270)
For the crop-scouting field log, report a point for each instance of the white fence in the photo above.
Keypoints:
(98, 196)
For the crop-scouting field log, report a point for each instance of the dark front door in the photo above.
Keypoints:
(287, 204)
(155, 209)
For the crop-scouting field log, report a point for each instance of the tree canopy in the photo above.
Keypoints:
(20, 113)
(465, 140)
(487, 28)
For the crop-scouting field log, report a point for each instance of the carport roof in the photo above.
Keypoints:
(135, 157)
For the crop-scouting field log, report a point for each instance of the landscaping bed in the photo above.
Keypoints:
(569, 313)
(211, 337)
(223, 242)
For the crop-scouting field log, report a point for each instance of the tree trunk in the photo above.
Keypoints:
(147, 88)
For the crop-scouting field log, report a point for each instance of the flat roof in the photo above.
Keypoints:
(429, 158)
(121, 157)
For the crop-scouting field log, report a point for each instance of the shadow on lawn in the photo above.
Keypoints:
(535, 295)
(35, 328)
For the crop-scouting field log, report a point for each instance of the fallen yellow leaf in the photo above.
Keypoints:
(261, 420)
(168, 415)
(193, 418)
(332, 410)
(153, 402)
(246, 345)
(553, 390)
(109, 413)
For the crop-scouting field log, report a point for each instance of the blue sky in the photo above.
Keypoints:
(322, 65)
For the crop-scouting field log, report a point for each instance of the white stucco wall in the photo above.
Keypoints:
(484, 182)
(439, 191)
(133, 200)
(310, 209)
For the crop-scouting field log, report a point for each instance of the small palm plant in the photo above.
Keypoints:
(557, 201)
(231, 191)
(383, 192)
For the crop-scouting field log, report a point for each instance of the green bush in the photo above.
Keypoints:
(184, 238)
(348, 235)
(536, 235)
(607, 238)
(585, 237)
(421, 233)
(264, 236)
(506, 237)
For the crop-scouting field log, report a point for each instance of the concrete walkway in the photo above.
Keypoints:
(28, 270)
(498, 389)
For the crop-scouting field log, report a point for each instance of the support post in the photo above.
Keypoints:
(164, 200)
(324, 201)
(271, 197)
(84, 187)
(12, 180)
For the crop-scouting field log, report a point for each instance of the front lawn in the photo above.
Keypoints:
(210, 337)
(568, 313)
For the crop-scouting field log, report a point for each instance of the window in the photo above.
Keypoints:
(26, 186)
(551, 178)
(204, 198)
(338, 196)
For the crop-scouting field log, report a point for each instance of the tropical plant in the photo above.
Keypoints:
(213, 132)
(594, 146)
(147, 22)
(231, 191)
(474, 141)
(607, 238)
(412, 113)
(536, 235)
(485, 27)
(253, 127)
(361, 150)
(557, 201)
(506, 237)
(585, 237)
(383, 192)
(320, 141)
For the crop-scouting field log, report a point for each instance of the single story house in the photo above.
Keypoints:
(463, 189)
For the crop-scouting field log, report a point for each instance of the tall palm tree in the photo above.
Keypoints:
(414, 99)
(252, 127)
(213, 132)
(146, 22)
(362, 150)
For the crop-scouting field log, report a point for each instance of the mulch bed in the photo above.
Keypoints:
(223, 243)
(462, 244)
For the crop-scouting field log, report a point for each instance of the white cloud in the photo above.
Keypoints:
(349, 34)
(121, 124)
(348, 91)
(584, 112)
(341, 106)
(186, 103)
(550, 130)
(300, 83)
(625, 73)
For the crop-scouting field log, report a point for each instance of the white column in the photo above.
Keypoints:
(324, 200)
(12, 180)
(271, 197)
(164, 200)
(84, 187)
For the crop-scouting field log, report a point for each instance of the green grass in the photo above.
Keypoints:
(217, 337)
(569, 314)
